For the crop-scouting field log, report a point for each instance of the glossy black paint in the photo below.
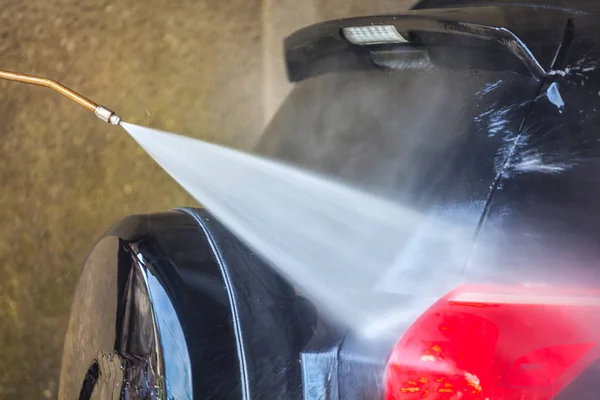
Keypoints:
(172, 306)
(549, 220)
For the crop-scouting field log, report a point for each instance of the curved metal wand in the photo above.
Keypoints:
(101, 112)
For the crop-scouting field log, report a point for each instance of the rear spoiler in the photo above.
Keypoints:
(539, 47)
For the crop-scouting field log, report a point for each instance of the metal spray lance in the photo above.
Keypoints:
(101, 112)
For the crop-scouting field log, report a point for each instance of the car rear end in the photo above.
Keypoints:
(472, 116)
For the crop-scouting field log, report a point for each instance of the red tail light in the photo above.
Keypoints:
(491, 342)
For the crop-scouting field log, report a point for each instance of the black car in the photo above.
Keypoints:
(487, 113)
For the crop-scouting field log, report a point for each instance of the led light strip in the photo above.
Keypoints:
(373, 34)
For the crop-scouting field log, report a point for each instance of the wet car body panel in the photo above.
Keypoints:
(545, 216)
(457, 124)
(175, 306)
(443, 160)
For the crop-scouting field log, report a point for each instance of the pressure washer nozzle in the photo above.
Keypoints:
(107, 115)
(101, 112)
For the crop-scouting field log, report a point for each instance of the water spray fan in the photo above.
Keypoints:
(101, 112)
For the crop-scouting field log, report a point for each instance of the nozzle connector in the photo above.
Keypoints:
(107, 115)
